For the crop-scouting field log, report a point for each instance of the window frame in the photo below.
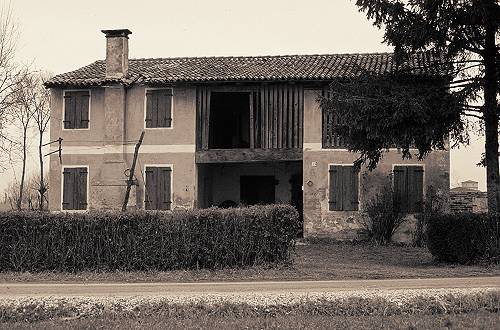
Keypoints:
(423, 180)
(62, 187)
(64, 109)
(171, 166)
(328, 187)
(146, 104)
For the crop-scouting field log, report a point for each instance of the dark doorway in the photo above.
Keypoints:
(297, 201)
(229, 120)
(255, 189)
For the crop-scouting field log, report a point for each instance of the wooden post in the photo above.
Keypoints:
(130, 180)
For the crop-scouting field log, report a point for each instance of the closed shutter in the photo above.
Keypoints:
(400, 198)
(75, 188)
(415, 188)
(81, 195)
(165, 108)
(335, 189)
(164, 178)
(343, 190)
(83, 113)
(159, 108)
(68, 189)
(408, 188)
(354, 188)
(150, 195)
(149, 110)
(76, 109)
(158, 188)
(69, 111)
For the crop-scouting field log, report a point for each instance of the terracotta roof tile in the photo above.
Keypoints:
(257, 68)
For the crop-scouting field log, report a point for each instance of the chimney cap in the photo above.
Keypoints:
(116, 33)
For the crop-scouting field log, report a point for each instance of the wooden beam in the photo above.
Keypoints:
(285, 116)
(247, 155)
(295, 117)
(130, 180)
(301, 116)
(252, 122)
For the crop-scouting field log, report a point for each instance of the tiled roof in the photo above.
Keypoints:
(258, 68)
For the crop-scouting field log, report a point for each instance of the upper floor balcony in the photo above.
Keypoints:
(249, 123)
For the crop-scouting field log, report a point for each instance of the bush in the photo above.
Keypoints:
(464, 237)
(383, 219)
(210, 238)
(434, 205)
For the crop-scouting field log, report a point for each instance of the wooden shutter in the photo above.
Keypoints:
(400, 188)
(408, 188)
(335, 189)
(68, 189)
(75, 188)
(353, 183)
(81, 188)
(149, 110)
(76, 109)
(165, 108)
(415, 188)
(82, 120)
(159, 108)
(150, 191)
(164, 193)
(69, 111)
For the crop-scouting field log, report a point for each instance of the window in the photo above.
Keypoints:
(408, 188)
(74, 188)
(158, 188)
(158, 108)
(76, 109)
(344, 185)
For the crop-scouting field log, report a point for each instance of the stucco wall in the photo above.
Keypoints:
(318, 220)
(118, 115)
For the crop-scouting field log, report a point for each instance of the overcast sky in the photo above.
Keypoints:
(60, 36)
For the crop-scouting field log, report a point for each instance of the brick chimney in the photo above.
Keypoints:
(116, 52)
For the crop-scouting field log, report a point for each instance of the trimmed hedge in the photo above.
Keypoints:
(209, 238)
(464, 237)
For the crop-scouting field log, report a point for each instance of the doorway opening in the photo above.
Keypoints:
(257, 189)
(229, 120)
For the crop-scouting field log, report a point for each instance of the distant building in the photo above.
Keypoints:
(468, 198)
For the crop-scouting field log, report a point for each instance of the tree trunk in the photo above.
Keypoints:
(41, 189)
(21, 186)
(491, 119)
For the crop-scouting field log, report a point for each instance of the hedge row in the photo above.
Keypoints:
(210, 238)
(464, 237)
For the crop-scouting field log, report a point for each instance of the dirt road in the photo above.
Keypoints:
(11, 290)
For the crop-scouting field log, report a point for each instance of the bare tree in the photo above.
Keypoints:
(10, 75)
(31, 198)
(23, 113)
(37, 97)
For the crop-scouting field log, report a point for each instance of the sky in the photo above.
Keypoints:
(60, 36)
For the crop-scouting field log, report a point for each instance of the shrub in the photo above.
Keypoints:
(464, 237)
(383, 219)
(434, 205)
(209, 238)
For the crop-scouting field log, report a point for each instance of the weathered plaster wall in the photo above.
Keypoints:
(116, 122)
(318, 220)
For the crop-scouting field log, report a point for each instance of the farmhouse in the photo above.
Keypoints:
(222, 131)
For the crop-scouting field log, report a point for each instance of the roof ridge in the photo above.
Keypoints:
(257, 56)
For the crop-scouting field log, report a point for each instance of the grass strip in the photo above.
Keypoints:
(375, 302)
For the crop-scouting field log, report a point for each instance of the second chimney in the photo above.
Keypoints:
(116, 52)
